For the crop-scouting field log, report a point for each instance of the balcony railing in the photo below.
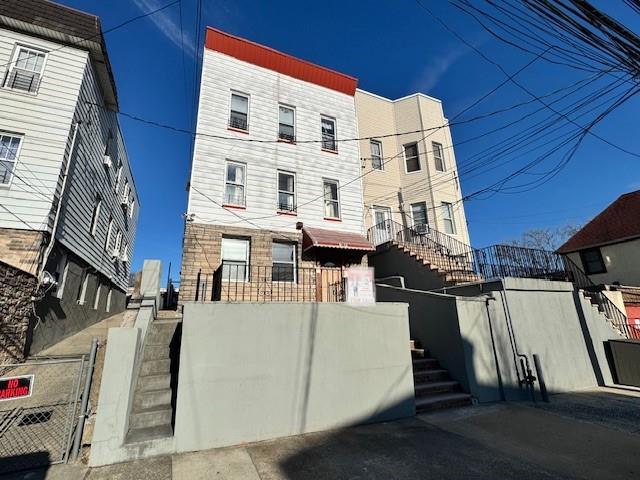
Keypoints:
(241, 283)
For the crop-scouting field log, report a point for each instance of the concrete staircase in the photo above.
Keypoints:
(434, 388)
(153, 399)
(452, 270)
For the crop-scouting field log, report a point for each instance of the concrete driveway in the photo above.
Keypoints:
(589, 434)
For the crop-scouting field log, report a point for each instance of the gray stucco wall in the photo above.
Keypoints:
(252, 371)
(546, 318)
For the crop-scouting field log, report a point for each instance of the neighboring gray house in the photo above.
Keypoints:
(68, 202)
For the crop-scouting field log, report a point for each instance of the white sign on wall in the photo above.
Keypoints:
(360, 286)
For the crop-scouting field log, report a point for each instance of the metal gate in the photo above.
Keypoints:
(36, 430)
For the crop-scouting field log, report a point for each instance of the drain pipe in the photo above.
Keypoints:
(42, 274)
(493, 345)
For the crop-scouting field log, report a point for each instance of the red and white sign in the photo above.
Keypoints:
(360, 286)
(12, 388)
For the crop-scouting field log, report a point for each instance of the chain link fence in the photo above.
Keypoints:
(37, 430)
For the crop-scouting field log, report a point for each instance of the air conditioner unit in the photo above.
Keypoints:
(115, 253)
(124, 203)
(422, 229)
(124, 257)
(106, 161)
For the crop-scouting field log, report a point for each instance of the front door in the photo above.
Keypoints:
(381, 225)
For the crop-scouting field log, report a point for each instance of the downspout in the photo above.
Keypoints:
(56, 219)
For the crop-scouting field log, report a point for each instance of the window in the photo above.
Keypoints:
(235, 259)
(329, 134)
(116, 248)
(131, 207)
(239, 115)
(284, 262)
(107, 242)
(95, 216)
(96, 300)
(592, 261)
(411, 158)
(234, 184)
(286, 192)
(82, 293)
(376, 155)
(107, 307)
(62, 270)
(331, 201)
(419, 214)
(447, 218)
(118, 178)
(287, 124)
(26, 70)
(124, 253)
(125, 192)
(438, 156)
(9, 148)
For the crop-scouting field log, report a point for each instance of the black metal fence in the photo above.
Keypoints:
(242, 283)
(462, 263)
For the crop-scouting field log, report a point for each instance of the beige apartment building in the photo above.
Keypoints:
(410, 179)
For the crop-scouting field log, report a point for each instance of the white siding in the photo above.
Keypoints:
(44, 120)
(267, 89)
(88, 177)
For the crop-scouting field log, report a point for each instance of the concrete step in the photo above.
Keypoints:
(425, 364)
(160, 333)
(433, 375)
(150, 417)
(418, 352)
(441, 401)
(155, 367)
(155, 352)
(431, 388)
(151, 398)
(151, 433)
(154, 382)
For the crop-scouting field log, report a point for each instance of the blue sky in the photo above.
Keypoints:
(394, 48)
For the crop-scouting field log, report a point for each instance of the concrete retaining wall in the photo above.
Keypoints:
(256, 371)
(546, 318)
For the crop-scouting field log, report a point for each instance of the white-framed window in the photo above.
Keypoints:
(107, 307)
(118, 245)
(132, 205)
(62, 270)
(447, 218)
(95, 216)
(235, 259)
(376, 155)
(25, 72)
(82, 293)
(9, 151)
(419, 214)
(411, 157)
(438, 156)
(331, 199)
(329, 132)
(234, 186)
(107, 242)
(286, 123)
(116, 188)
(124, 253)
(125, 192)
(96, 299)
(283, 262)
(286, 191)
(239, 111)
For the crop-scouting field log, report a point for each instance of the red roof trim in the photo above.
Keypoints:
(266, 57)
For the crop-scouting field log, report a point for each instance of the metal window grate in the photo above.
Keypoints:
(19, 79)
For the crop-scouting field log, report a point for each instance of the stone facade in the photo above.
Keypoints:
(201, 252)
(21, 248)
(16, 290)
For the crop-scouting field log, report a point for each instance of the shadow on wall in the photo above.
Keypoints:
(37, 464)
